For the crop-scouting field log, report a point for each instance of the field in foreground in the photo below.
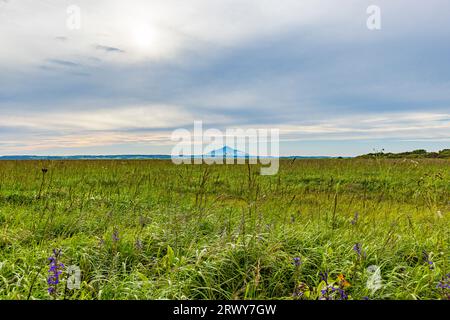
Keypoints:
(320, 229)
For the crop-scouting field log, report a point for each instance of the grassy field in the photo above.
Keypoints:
(320, 229)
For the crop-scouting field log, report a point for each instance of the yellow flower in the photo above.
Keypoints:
(343, 282)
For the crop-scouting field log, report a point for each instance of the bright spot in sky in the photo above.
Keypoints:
(143, 36)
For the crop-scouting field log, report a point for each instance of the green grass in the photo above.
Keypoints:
(224, 231)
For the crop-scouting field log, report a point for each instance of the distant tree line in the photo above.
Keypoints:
(420, 153)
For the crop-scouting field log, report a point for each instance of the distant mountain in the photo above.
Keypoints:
(226, 152)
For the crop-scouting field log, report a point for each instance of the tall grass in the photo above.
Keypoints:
(154, 230)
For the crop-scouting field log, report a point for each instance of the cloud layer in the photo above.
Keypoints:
(136, 70)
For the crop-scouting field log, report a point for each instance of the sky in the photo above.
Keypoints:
(131, 72)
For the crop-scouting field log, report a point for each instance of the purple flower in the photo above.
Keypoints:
(358, 249)
(324, 277)
(54, 271)
(427, 258)
(342, 294)
(297, 262)
(115, 235)
(325, 294)
(300, 290)
(444, 286)
(332, 292)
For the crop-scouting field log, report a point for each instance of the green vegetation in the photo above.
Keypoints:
(420, 153)
(154, 230)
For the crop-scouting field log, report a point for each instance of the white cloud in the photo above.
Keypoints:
(401, 126)
(122, 118)
(309, 67)
(128, 125)
(29, 27)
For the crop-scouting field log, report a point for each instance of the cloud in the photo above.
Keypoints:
(154, 116)
(311, 68)
(154, 124)
(109, 49)
(63, 63)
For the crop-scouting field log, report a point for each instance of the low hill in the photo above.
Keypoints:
(416, 154)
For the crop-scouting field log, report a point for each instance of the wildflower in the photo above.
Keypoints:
(342, 294)
(324, 277)
(357, 249)
(343, 283)
(333, 290)
(444, 286)
(300, 291)
(55, 271)
(324, 294)
(44, 171)
(115, 235)
(297, 262)
(355, 218)
(426, 257)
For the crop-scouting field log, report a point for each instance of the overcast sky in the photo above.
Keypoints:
(136, 70)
